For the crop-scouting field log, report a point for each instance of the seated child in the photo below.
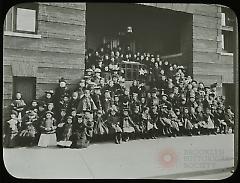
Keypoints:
(88, 122)
(11, 130)
(79, 138)
(209, 118)
(19, 105)
(48, 131)
(60, 123)
(194, 121)
(28, 132)
(220, 120)
(179, 122)
(186, 121)
(202, 125)
(155, 117)
(67, 133)
(229, 116)
(113, 123)
(136, 117)
(165, 121)
(174, 122)
(127, 125)
(100, 129)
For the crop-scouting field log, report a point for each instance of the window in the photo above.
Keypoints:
(22, 18)
(227, 17)
(227, 41)
(227, 25)
(131, 70)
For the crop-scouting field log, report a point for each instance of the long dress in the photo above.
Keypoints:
(48, 134)
(127, 125)
(100, 128)
(147, 125)
(210, 123)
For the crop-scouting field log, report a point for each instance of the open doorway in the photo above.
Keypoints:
(146, 29)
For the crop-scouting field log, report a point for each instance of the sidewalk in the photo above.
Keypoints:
(152, 158)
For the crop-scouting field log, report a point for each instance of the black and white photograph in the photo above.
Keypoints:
(120, 91)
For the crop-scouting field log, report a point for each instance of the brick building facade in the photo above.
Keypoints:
(34, 58)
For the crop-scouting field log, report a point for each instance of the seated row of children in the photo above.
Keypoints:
(72, 128)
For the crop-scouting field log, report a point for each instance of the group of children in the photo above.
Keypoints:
(101, 107)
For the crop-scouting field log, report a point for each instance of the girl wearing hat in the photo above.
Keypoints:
(48, 96)
(48, 131)
(113, 123)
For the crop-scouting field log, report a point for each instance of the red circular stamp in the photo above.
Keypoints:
(168, 158)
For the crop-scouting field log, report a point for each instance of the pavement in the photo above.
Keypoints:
(196, 157)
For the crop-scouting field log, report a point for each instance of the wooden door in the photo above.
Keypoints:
(26, 86)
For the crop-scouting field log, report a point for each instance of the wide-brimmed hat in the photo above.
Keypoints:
(62, 80)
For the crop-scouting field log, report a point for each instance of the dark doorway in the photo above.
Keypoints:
(229, 93)
(26, 86)
(155, 30)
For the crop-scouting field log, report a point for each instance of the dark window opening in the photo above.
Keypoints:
(227, 41)
(26, 86)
